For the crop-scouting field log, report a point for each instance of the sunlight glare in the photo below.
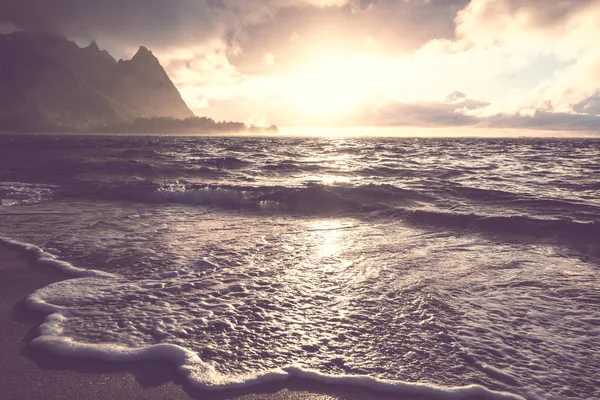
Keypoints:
(329, 234)
(338, 87)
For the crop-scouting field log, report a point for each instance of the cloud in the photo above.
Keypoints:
(447, 112)
(542, 120)
(156, 23)
(456, 110)
(545, 72)
(249, 28)
(589, 106)
(559, 29)
(297, 36)
(500, 21)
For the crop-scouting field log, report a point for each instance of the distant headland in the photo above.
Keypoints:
(50, 84)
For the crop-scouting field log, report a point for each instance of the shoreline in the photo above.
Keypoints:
(27, 372)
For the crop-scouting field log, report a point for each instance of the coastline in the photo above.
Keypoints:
(33, 373)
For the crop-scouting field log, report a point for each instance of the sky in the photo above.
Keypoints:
(524, 64)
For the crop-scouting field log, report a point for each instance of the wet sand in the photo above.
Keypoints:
(27, 372)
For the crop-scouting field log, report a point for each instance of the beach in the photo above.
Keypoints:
(29, 373)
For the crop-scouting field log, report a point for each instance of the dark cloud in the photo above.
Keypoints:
(253, 27)
(536, 14)
(453, 112)
(544, 13)
(590, 106)
(249, 27)
(153, 22)
(543, 120)
(435, 114)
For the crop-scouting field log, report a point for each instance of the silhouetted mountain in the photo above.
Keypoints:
(49, 83)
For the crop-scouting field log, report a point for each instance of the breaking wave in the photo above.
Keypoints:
(377, 202)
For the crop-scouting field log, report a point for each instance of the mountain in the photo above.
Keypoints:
(49, 83)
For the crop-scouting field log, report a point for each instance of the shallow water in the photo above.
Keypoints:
(443, 261)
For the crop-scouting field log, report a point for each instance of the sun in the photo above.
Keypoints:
(336, 88)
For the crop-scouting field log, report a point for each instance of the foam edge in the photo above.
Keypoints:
(200, 374)
(46, 259)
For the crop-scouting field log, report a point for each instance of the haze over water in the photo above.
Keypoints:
(443, 261)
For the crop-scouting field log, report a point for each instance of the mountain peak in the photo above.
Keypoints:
(93, 46)
(143, 53)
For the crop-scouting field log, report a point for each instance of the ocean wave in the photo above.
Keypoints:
(389, 171)
(580, 235)
(224, 162)
(14, 193)
(290, 167)
(372, 202)
(224, 198)
(312, 199)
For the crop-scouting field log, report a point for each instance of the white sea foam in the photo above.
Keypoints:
(43, 258)
(178, 193)
(14, 193)
(203, 375)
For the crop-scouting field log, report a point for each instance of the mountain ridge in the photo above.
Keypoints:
(48, 82)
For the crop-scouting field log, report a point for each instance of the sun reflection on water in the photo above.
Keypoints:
(330, 233)
(338, 167)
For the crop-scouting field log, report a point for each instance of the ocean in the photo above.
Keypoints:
(445, 267)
